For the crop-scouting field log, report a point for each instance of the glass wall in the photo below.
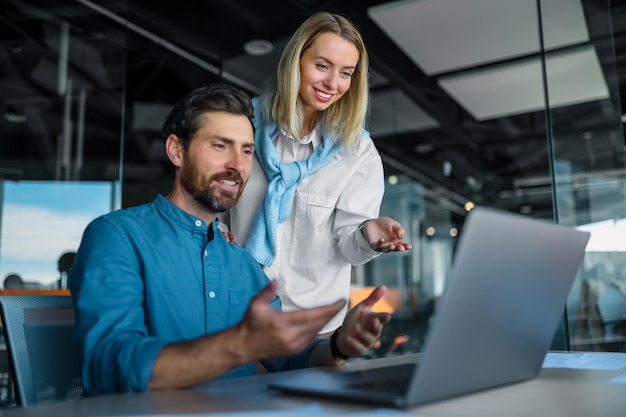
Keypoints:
(62, 101)
(539, 93)
(512, 104)
(586, 144)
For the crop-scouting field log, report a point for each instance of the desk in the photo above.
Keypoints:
(557, 392)
(21, 291)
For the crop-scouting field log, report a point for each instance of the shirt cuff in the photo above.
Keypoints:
(362, 241)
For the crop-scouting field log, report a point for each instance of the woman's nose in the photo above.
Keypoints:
(331, 80)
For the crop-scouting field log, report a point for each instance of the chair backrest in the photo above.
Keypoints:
(612, 310)
(44, 353)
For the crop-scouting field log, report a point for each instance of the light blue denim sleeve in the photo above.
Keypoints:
(107, 289)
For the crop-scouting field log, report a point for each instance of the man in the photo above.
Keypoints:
(163, 299)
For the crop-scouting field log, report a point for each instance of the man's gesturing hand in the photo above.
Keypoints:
(267, 333)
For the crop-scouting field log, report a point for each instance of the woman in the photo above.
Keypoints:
(309, 211)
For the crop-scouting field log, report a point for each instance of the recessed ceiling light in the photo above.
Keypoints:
(424, 147)
(526, 209)
(258, 47)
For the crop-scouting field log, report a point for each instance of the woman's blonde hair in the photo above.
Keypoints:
(344, 119)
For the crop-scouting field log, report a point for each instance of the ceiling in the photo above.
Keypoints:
(458, 92)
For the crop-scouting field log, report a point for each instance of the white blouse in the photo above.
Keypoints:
(319, 243)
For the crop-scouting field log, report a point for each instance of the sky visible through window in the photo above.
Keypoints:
(41, 220)
(606, 236)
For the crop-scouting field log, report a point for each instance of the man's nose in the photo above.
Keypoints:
(236, 162)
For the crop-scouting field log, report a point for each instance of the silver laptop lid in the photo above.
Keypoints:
(502, 304)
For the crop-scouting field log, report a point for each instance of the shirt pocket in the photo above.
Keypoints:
(313, 242)
(237, 306)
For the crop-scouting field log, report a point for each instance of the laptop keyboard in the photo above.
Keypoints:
(393, 379)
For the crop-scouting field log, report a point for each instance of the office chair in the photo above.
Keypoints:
(44, 354)
(611, 307)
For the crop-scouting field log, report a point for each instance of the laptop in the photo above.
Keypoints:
(496, 320)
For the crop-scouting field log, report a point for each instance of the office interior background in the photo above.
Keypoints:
(513, 104)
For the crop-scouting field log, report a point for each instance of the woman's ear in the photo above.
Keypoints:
(174, 150)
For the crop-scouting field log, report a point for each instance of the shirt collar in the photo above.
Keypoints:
(314, 137)
(178, 215)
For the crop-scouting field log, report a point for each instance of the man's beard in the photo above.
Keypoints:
(200, 187)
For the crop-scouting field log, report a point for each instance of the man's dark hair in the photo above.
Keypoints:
(185, 118)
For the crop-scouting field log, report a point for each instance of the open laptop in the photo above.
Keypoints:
(495, 322)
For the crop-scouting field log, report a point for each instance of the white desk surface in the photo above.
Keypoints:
(557, 392)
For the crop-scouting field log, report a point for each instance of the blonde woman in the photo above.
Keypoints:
(310, 208)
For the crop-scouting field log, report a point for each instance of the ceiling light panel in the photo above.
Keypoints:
(517, 87)
(447, 35)
(393, 112)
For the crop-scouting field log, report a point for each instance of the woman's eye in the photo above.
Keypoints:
(346, 75)
(322, 67)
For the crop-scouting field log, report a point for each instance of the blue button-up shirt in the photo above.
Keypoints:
(147, 276)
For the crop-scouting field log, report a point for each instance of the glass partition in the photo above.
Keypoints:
(62, 101)
(535, 96)
(586, 142)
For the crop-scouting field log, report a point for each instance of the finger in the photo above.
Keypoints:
(358, 346)
(381, 246)
(384, 317)
(359, 343)
(268, 292)
(375, 296)
(374, 322)
(398, 230)
(398, 247)
(394, 247)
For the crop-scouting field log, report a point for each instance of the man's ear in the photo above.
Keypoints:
(174, 150)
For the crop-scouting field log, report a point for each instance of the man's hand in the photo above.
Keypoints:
(267, 333)
(362, 327)
(384, 234)
(263, 333)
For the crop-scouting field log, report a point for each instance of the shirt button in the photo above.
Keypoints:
(206, 253)
(198, 223)
(212, 294)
